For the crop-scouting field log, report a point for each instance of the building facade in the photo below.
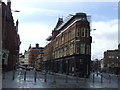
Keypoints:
(23, 59)
(33, 55)
(39, 62)
(111, 61)
(10, 38)
(69, 47)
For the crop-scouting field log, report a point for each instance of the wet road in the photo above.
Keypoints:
(43, 80)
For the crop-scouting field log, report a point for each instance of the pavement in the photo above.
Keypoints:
(43, 80)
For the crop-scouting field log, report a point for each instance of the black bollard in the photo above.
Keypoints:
(45, 80)
(101, 78)
(35, 76)
(97, 73)
(13, 75)
(93, 77)
(25, 76)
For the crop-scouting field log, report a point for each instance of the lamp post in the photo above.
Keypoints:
(93, 56)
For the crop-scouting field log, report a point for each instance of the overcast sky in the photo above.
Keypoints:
(37, 19)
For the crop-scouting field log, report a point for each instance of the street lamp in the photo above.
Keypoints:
(15, 10)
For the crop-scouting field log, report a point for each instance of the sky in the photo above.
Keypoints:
(37, 19)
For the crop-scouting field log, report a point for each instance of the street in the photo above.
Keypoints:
(30, 79)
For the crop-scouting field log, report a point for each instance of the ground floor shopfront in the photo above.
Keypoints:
(72, 65)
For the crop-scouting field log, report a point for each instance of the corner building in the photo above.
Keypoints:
(69, 49)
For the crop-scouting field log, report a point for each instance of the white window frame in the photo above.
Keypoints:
(83, 29)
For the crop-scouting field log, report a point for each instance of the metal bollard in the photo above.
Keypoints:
(25, 76)
(109, 79)
(35, 76)
(101, 78)
(13, 75)
(45, 80)
(93, 78)
(97, 73)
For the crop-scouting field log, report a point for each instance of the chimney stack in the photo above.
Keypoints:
(37, 45)
(9, 4)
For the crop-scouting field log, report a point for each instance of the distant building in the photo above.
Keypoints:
(111, 61)
(26, 54)
(23, 59)
(96, 65)
(39, 62)
(69, 47)
(33, 55)
(10, 38)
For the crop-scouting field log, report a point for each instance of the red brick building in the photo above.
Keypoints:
(69, 49)
(33, 53)
(111, 61)
(10, 38)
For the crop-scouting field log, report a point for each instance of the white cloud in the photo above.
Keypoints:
(105, 37)
(32, 34)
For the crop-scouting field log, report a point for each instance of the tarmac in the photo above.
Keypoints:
(38, 80)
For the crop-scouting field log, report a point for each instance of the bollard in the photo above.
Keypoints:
(25, 76)
(97, 73)
(93, 78)
(13, 74)
(101, 78)
(35, 76)
(109, 79)
(45, 80)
